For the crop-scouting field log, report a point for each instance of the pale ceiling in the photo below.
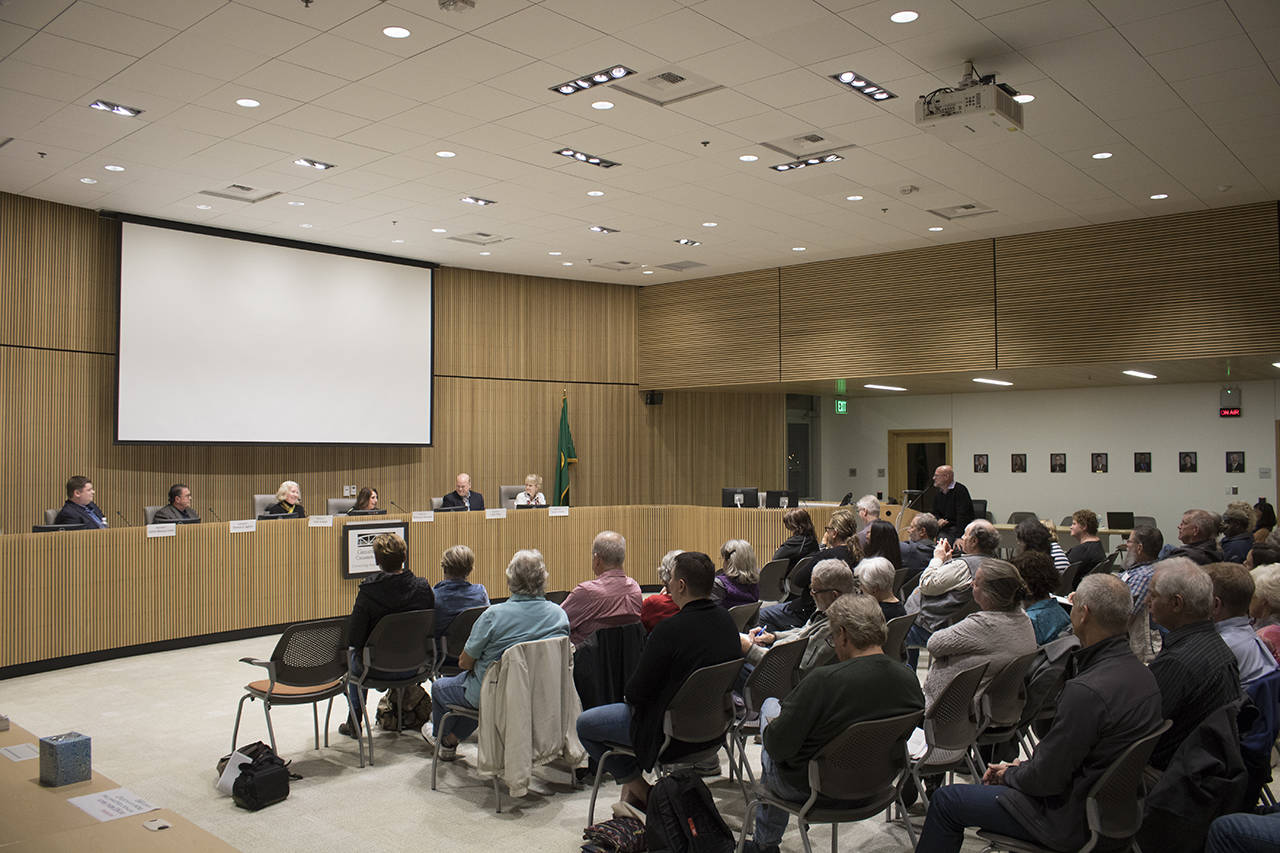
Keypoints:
(1183, 93)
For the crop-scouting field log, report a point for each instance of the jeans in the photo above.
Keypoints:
(917, 638)
(954, 807)
(605, 724)
(357, 696)
(778, 617)
(771, 821)
(445, 692)
(1244, 833)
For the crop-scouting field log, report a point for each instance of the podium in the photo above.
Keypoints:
(899, 516)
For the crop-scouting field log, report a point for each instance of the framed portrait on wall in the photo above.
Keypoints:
(1187, 462)
(1098, 463)
(1235, 461)
(1018, 463)
(1142, 462)
(980, 463)
(1057, 463)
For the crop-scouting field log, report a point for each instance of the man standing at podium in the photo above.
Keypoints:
(80, 508)
(462, 497)
(952, 504)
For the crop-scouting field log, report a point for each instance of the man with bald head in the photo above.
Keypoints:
(462, 497)
(951, 505)
(1198, 533)
(1195, 669)
(611, 598)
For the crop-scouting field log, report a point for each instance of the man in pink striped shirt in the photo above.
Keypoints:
(611, 598)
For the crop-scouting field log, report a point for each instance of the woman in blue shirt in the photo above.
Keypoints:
(1047, 616)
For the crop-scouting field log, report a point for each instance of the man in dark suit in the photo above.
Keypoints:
(462, 497)
(922, 534)
(952, 505)
(80, 508)
(179, 505)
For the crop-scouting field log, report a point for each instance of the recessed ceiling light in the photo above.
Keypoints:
(808, 161)
(1275, 364)
(1102, 155)
(1139, 374)
(555, 254)
(566, 263)
(88, 180)
(471, 199)
(297, 204)
(305, 225)
(397, 240)
(602, 105)
(486, 253)
(1024, 99)
(904, 17)
(650, 272)
(118, 109)
(935, 227)
(748, 158)
(446, 154)
(862, 85)
(396, 32)
(884, 387)
(315, 164)
(204, 207)
(586, 81)
(595, 193)
(600, 229)
(710, 224)
(985, 381)
(583, 157)
(799, 248)
(439, 230)
(1159, 196)
(685, 241)
(248, 102)
(113, 168)
(853, 198)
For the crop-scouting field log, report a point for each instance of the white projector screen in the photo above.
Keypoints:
(226, 340)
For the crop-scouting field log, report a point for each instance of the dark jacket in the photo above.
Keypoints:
(916, 555)
(1203, 553)
(73, 513)
(1109, 701)
(169, 512)
(1236, 548)
(280, 508)
(956, 507)
(795, 549)
(1197, 673)
(452, 499)
(701, 634)
(604, 661)
(800, 603)
(382, 594)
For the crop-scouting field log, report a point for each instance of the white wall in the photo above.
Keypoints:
(1162, 419)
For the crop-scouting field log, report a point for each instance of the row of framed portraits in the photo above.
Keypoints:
(1188, 462)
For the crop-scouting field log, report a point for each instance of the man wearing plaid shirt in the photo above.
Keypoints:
(1141, 550)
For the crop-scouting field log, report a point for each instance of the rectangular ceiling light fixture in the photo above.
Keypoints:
(685, 241)
(471, 199)
(586, 81)
(808, 161)
(583, 157)
(314, 164)
(862, 85)
(600, 229)
(118, 109)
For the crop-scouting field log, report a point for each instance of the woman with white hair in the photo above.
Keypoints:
(1265, 607)
(875, 578)
(525, 616)
(738, 582)
(532, 494)
(288, 501)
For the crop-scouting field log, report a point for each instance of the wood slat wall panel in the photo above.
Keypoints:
(1188, 285)
(55, 264)
(709, 331)
(871, 316)
(75, 593)
(526, 327)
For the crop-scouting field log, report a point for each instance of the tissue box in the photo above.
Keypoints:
(64, 759)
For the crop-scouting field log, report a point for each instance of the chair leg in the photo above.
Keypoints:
(315, 721)
(327, 711)
(804, 835)
(271, 732)
(497, 794)
(236, 730)
(368, 730)
(435, 753)
(747, 819)
(906, 820)
(595, 788)
(399, 710)
(835, 837)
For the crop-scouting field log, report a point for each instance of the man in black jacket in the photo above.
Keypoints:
(395, 589)
(1198, 535)
(917, 551)
(462, 497)
(951, 505)
(701, 634)
(1110, 700)
(80, 508)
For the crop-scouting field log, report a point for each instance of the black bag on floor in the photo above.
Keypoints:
(682, 817)
(263, 781)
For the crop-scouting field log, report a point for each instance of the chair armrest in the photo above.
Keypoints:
(268, 665)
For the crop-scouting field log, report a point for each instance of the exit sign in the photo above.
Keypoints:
(842, 407)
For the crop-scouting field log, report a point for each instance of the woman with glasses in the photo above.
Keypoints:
(839, 542)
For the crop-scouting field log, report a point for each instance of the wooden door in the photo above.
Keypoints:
(912, 451)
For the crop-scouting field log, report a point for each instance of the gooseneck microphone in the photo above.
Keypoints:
(126, 521)
(214, 514)
(396, 505)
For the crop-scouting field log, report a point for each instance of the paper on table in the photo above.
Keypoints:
(21, 752)
(109, 805)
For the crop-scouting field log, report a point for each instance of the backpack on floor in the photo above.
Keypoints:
(681, 817)
(263, 781)
(417, 709)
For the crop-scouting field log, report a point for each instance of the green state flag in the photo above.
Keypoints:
(566, 454)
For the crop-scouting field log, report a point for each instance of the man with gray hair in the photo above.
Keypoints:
(1198, 533)
(868, 507)
(831, 579)
(611, 598)
(945, 593)
(1109, 701)
(1195, 669)
(922, 534)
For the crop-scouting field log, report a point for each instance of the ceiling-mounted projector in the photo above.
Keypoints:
(978, 108)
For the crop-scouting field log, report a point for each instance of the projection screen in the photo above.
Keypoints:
(226, 340)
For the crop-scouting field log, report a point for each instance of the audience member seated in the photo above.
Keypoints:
(1237, 532)
(394, 589)
(945, 592)
(462, 497)
(882, 541)
(801, 542)
(952, 505)
(288, 501)
(701, 634)
(1060, 561)
(863, 685)
(1195, 669)
(1141, 549)
(1266, 515)
(868, 509)
(456, 593)
(831, 580)
(1245, 833)
(1233, 591)
(1265, 552)
(838, 543)
(1265, 607)
(1047, 616)
(1197, 532)
(179, 506)
(79, 507)
(524, 617)
(1031, 535)
(366, 498)
(659, 606)
(532, 494)
(1084, 528)
(922, 534)
(875, 578)
(1109, 701)
(995, 635)
(738, 581)
(611, 598)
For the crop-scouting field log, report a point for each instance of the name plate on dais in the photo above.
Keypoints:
(320, 521)
(558, 511)
(421, 515)
(245, 525)
(498, 512)
(157, 530)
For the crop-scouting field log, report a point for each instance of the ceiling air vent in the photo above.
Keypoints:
(617, 266)
(239, 192)
(681, 266)
(811, 143)
(668, 86)
(479, 238)
(960, 211)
